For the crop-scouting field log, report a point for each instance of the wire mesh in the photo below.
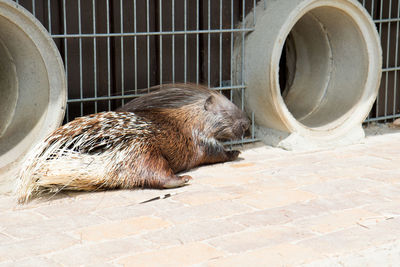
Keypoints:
(386, 15)
(113, 49)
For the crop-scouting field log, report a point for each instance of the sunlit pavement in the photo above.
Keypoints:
(270, 208)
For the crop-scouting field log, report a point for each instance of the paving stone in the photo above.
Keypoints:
(337, 220)
(276, 198)
(53, 199)
(379, 165)
(126, 212)
(99, 253)
(140, 195)
(266, 183)
(164, 205)
(264, 217)
(310, 208)
(387, 209)
(340, 186)
(77, 207)
(103, 264)
(29, 262)
(281, 255)
(192, 232)
(328, 172)
(7, 203)
(36, 246)
(355, 238)
(243, 165)
(185, 255)
(51, 226)
(257, 238)
(385, 255)
(365, 160)
(386, 176)
(296, 211)
(355, 199)
(20, 218)
(237, 191)
(195, 198)
(4, 238)
(226, 179)
(119, 229)
(204, 212)
(391, 192)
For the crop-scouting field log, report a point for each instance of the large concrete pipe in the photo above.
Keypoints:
(32, 87)
(332, 67)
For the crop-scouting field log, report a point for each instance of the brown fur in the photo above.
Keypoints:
(144, 144)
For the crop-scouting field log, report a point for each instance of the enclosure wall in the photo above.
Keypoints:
(112, 49)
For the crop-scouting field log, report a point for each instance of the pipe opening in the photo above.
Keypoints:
(24, 90)
(323, 67)
(8, 88)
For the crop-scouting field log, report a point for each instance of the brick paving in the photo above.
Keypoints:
(272, 207)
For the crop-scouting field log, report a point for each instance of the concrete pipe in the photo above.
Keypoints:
(32, 87)
(332, 68)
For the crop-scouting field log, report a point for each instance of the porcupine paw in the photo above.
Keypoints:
(233, 154)
(177, 181)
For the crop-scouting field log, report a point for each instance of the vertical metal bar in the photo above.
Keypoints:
(197, 42)
(380, 36)
(94, 55)
(242, 57)
(363, 3)
(173, 40)
(372, 8)
(148, 42)
(252, 113)
(135, 43)
(160, 25)
(377, 97)
(254, 12)
(65, 53)
(396, 58)
(80, 55)
(34, 7)
(232, 41)
(121, 16)
(209, 45)
(252, 126)
(108, 55)
(387, 59)
(185, 41)
(220, 43)
(49, 16)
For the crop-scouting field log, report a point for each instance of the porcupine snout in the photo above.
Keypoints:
(240, 127)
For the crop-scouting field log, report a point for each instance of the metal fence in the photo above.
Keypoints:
(112, 49)
(386, 15)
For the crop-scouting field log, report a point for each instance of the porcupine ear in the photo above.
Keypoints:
(209, 105)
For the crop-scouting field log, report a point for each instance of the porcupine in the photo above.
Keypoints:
(142, 144)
